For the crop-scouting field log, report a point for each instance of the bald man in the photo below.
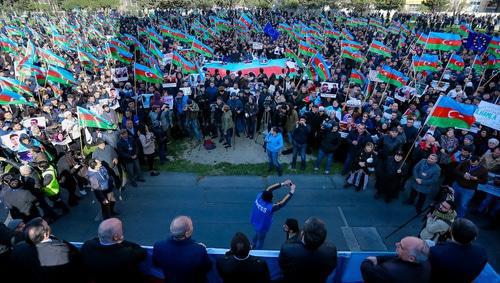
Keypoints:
(410, 265)
(181, 258)
(110, 258)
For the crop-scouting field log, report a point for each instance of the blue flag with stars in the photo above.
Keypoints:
(272, 32)
(477, 41)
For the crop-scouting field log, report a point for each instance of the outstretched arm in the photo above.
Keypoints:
(285, 199)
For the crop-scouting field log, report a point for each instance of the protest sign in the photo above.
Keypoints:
(353, 103)
(185, 90)
(169, 81)
(373, 76)
(443, 86)
(41, 122)
(168, 100)
(119, 74)
(488, 114)
(257, 45)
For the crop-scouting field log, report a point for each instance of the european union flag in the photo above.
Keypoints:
(272, 32)
(477, 41)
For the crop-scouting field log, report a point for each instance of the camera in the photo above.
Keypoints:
(213, 107)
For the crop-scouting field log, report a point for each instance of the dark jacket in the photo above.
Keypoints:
(300, 264)
(330, 141)
(300, 133)
(391, 269)
(112, 263)
(361, 139)
(248, 270)
(453, 262)
(51, 262)
(126, 149)
(182, 261)
(479, 171)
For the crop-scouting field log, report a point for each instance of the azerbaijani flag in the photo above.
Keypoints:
(130, 39)
(352, 54)
(443, 41)
(87, 58)
(332, 33)
(449, 113)
(352, 44)
(60, 75)
(320, 67)
(494, 46)
(120, 54)
(201, 48)
(154, 36)
(346, 34)
(245, 21)
(290, 54)
(155, 51)
(463, 30)
(14, 85)
(175, 34)
(357, 77)
(379, 48)
(50, 58)
(9, 97)
(186, 66)
(306, 49)
(314, 42)
(425, 62)
(456, 63)
(391, 76)
(143, 73)
(8, 45)
(493, 62)
(87, 118)
(477, 65)
(422, 38)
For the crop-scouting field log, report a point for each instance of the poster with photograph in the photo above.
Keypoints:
(185, 90)
(168, 100)
(41, 122)
(169, 81)
(257, 45)
(11, 140)
(119, 74)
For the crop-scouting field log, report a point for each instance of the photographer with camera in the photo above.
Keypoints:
(263, 210)
(299, 142)
(329, 142)
(439, 220)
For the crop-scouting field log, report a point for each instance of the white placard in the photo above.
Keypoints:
(41, 122)
(119, 74)
(488, 114)
(372, 76)
(257, 45)
(353, 103)
(443, 86)
(185, 90)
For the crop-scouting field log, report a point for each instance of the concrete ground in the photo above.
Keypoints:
(221, 205)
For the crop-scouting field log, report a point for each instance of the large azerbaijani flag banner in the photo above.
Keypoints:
(87, 118)
(275, 66)
(449, 113)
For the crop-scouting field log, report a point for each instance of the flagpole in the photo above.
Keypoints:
(446, 67)
(494, 75)
(383, 94)
(480, 81)
(419, 132)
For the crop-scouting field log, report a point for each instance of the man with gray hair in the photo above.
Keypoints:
(110, 258)
(410, 265)
(181, 258)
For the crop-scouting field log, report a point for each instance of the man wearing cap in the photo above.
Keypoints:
(22, 204)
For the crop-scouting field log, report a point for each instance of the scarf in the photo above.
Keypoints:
(446, 216)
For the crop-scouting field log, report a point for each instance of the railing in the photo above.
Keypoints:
(347, 270)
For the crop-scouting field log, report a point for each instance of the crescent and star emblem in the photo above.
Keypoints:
(455, 114)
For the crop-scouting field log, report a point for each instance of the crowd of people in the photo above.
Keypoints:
(378, 130)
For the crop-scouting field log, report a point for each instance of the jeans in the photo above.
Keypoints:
(321, 155)
(133, 169)
(258, 240)
(296, 149)
(194, 128)
(347, 163)
(250, 126)
(228, 136)
(462, 196)
(240, 125)
(273, 160)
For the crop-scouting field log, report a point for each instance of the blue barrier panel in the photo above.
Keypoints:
(347, 270)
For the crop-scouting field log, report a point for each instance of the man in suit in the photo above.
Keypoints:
(44, 258)
(182, 259)
(110, 258)
(310, 259)
(409, 265)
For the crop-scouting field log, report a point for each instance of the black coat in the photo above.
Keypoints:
(391, 269)
(126, 149)
(300, 133)
(112, 263)
(300, 264)
(330, 141)
(452, 262)
(249, 270)
(55, 261)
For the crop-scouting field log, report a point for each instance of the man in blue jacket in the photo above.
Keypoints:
(263, 210)
(274, 144)
(182, 259)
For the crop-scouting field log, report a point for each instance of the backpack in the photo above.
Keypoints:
(208, 144)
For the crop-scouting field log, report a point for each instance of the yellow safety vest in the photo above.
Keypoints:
(52, 188)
